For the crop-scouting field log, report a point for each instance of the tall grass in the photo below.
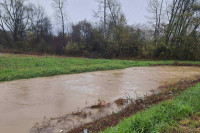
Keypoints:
(160, 117)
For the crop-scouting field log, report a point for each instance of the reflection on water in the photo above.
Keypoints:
(24, 102)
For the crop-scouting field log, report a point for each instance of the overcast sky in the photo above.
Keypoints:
(135, 10)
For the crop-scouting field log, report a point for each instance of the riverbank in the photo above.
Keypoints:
(162, 112)
(13, 67)
(162, 117)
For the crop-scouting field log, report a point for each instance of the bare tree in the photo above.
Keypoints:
(3, 29)
(102, 14)
(15, 17)
(115, 11)
(111, 10)
(183, 27)
(105, 9)
(183, 15)
(156, 9)
(60, 5)
(39, 24)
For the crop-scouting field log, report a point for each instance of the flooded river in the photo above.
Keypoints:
(25, 102)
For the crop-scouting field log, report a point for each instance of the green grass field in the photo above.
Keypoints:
(14, 67)
(164, 117)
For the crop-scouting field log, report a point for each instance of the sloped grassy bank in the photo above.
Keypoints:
(162, 117)
(13, 67)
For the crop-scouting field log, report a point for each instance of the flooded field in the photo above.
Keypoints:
(25, 102)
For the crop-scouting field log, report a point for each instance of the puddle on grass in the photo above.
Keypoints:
(25, 102)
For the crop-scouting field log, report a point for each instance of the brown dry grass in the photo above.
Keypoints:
(188, 125)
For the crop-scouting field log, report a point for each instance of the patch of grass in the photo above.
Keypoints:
(162, 116)
(14, 67)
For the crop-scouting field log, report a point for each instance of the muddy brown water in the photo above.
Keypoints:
(25, 102)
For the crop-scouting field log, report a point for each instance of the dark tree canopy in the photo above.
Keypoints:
(172, 31)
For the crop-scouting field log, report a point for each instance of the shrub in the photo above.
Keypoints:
(74, 49)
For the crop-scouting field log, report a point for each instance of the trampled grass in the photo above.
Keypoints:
(162, 117)
(14, 67)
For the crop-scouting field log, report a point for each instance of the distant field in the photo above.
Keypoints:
(14, 67)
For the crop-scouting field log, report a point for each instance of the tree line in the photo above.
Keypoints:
(172, 31)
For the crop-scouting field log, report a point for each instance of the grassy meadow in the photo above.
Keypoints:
(165, 117)
(13, 67)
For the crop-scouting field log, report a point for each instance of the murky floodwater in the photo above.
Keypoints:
(25, 102)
